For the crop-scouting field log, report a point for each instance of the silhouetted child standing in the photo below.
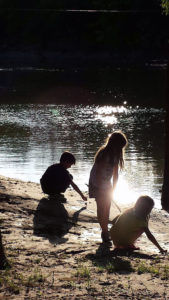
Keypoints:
(57, 179)
(129, 226)
(108, 160)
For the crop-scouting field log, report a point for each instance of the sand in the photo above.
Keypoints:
(55, 251)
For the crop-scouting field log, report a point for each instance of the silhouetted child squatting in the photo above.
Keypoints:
(129, 226)
(57, 179)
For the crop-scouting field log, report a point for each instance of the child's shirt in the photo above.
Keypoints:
(127, 228)
(56, 178)
(100, 178)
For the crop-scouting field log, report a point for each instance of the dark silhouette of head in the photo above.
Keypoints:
(68, 158)
(144, 205)
(113, 149)
(117, 140)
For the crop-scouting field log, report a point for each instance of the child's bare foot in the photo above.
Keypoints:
(132, 247)
(106, 239)
(127, 248)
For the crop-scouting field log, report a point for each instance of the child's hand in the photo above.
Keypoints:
(163, 251)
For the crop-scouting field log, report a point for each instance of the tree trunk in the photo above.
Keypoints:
(3, 260)
(165, 187)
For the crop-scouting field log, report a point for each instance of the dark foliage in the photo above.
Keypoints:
(46, 25)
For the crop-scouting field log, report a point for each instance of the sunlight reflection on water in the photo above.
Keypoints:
(107, 114)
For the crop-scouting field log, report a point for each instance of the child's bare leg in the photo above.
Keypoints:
(130, 244)
(103, 210)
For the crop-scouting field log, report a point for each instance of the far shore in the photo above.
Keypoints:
(30, 57)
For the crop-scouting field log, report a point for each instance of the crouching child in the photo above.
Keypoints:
(57, 178)
(132, 223)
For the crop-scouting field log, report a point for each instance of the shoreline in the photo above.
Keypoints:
(55, 250)
(68, 59)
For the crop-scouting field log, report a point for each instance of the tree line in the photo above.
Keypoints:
(137, 25)
(84, 4)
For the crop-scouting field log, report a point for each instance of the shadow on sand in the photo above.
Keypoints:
(116, 260)
(105, 251)
(51, 220)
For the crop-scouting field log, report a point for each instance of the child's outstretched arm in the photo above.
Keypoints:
(78, 190)
(153, 240)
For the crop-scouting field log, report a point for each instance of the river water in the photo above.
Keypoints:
(33, 136)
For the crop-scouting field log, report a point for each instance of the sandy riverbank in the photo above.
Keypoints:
(55, 250)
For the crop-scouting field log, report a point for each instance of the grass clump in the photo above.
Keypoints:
(145, 268)
(113, 265)
(165, 273)
(14, 281)
(119, 265)
(155, 269)
(83, 272)
(8, 280)
(32, 279)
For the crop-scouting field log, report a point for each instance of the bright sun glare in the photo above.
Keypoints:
(123, 193)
